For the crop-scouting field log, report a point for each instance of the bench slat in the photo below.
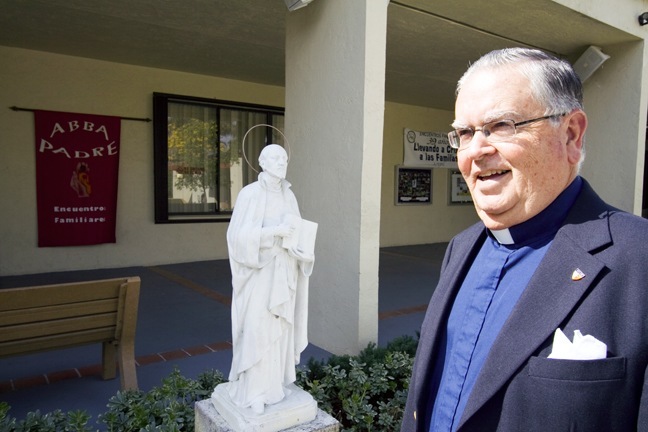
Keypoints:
(48, 295)
(46, 313)
(58, 327)
(54, 342)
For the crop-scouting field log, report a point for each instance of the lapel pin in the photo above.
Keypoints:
(578, 275)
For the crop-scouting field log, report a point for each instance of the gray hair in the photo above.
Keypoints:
(554, 83)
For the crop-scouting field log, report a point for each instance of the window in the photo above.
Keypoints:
(200, 166)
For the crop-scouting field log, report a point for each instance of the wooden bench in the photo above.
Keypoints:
(47, 317)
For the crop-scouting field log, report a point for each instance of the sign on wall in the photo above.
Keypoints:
(428, 149)
(77, 167)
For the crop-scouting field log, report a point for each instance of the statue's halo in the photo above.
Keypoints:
(286, 143)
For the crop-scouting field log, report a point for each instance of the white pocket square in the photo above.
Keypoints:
(582, 348)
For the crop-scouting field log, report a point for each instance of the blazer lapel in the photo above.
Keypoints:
(549, 298)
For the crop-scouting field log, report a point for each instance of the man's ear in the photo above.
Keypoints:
(575, 134)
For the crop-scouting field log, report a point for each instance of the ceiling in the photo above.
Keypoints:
(429, 42)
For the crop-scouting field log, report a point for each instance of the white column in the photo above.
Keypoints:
(616, 97)
(335, 78)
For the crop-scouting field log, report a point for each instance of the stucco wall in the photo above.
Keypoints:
(417, 224)
(61, 83)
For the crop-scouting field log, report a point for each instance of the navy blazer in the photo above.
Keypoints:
(519, 388)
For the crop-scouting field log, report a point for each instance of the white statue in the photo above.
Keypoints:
(270, 271)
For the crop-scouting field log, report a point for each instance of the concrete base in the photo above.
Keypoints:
(296, 413)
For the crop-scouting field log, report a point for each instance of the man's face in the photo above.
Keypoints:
(512, 181)
(275, 161)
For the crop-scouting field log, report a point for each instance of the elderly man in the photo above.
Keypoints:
(549, 261)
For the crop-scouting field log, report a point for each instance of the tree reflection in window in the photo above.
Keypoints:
(199, 162)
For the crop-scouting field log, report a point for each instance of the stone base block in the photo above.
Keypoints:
(296, 413)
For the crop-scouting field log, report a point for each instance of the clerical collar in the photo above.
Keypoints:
(503, 236)
(545, 223)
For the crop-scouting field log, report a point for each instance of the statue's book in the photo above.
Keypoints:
(302, 241)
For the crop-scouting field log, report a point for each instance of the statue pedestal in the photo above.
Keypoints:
(296, 413)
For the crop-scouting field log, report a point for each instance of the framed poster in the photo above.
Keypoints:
(413, 185)
(458, 189)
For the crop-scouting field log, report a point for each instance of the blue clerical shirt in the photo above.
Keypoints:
(492, 287)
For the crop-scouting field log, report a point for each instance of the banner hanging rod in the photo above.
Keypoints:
(15, 108)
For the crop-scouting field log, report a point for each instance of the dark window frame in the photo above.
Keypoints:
(160, 150)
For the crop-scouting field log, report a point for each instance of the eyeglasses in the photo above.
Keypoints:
(495, 131)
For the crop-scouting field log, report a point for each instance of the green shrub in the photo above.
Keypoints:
(168, 408)
(7, 423)
(366, 392)
(57, 421)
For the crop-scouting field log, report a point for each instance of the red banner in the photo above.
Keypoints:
(77, 166)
